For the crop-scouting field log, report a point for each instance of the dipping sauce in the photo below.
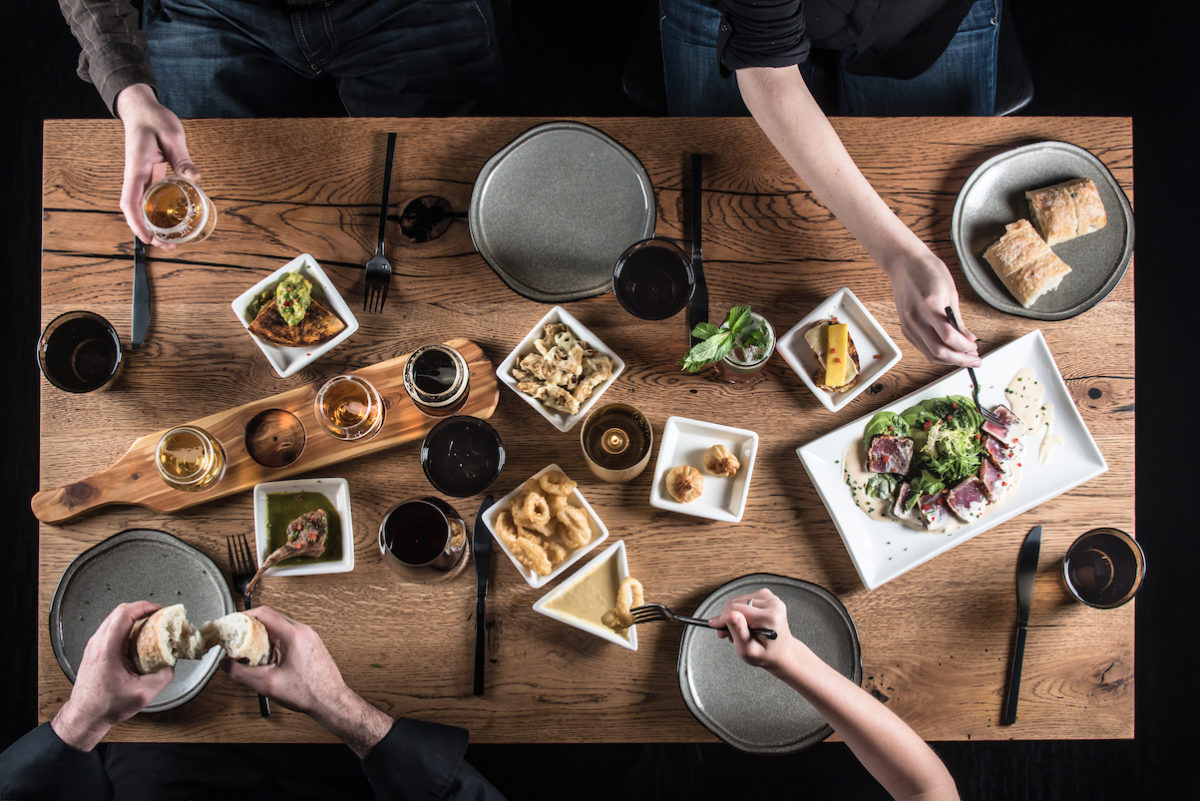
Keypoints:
(284, 507)
(591, 596)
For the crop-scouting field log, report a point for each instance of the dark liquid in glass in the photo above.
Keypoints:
(463, 458)
(1102, 568)
(617, 439)
(434, 372)
(81, 354)
(653, 283)
(415, 533)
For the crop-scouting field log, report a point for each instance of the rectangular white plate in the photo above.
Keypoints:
(288, 360)
(560, 420)
(337, 490)
(684, 441)
(599, 532)
(614, 551)
(883, 550)
(877, 353)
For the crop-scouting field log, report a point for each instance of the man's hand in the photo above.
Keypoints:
(923, 288)
(107, 689)
(303, 677)
(153, 139)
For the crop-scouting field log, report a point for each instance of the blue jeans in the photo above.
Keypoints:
(275, 58)
(961, 81)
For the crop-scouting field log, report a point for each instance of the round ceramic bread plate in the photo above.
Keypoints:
(747, 707)
(994, 196)
(137, 565)
(552, 211)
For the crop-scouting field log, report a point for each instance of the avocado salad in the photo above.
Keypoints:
(948, 445)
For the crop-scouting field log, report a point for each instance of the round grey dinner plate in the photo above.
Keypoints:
(139, 565)
(994, 196)
(746, 706)
(554, 209)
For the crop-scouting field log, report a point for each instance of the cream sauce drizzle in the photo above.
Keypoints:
(856, 476)
(1026, 397)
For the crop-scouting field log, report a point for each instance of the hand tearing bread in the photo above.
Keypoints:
(156, 642)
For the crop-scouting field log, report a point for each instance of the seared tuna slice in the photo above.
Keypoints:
(890, 454)
(900, 509)
(1009, 430)
(1005, 456)
(935, 514)
(967, 499)
(995, 480)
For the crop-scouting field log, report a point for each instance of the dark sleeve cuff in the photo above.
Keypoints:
(40, 765)
(761, 33)
(416, 760)
(113, 82)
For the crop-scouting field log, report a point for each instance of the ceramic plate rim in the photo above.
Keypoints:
(539, 605)
(341, 493)
(561, 420)
(729, 514)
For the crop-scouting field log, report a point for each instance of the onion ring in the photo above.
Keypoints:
(555, 482)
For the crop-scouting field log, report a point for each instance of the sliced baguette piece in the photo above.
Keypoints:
(242, 637)
(1067, 210)
(1025, 263)
(156, 642)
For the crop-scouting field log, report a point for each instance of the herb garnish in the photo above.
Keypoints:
(718, 342)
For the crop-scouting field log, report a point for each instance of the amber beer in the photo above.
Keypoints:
(349, 408)
(189, 458)
(177, 211)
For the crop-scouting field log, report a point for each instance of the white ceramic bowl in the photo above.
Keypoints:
(877, 353)
(599, 532)
(684, 441)
(614, 551)
(560, 420)
(337, 490)
(289, 360)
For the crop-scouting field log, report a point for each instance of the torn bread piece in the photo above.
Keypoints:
(1067, 210)
(158, 641)
(1025, 263)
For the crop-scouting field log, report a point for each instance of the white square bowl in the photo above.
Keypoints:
(684, 441)
(337, 490)
(877, 353)
(560, 420)
(599, 532)
(614, 551)
(289, 360)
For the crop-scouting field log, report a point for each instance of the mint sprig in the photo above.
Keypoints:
(717, 341)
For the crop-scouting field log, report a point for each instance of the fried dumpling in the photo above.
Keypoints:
(318, 325)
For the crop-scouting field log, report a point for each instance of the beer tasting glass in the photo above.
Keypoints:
(422, 539)
(177, 211)
(189, 459)
(80, 352)
(1104, 568)
(349, 408)
(437, 379)
(617, 440)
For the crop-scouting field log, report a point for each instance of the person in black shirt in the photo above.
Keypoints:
(724, 57)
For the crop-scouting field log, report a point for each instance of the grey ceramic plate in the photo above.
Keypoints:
(994, 196)
(554, 209)
(747, 707)
(136, 565)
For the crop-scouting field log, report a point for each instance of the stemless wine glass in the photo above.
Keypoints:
(423, 539)
(80, 352)
(1104, 568)
(349, 408)
(177, 211)
(189, 459)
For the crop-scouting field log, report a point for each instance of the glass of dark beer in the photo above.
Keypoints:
(80, 352)
(1104, 568)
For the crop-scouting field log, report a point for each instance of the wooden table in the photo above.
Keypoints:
(935, 641)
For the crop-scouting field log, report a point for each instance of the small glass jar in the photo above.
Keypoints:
(437, 379)
(743, 364)
(189, 459)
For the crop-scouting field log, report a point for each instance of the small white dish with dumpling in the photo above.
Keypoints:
(680, 472)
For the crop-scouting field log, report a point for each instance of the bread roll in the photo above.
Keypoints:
(1025, 263)
(1067, 210)
(242, 637)
(157, 641)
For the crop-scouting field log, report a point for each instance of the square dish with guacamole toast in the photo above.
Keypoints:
(295, 314)
(838, 349)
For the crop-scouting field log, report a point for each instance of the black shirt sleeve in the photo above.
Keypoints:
(762, 33)
(420, 760)
(40, 765)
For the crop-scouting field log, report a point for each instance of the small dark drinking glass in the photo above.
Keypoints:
(653, 279)
(423, 533)
(462, 456)
(80, 352)
(1104, 568)
(437, 379)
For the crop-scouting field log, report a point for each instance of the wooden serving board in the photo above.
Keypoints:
(134, 478)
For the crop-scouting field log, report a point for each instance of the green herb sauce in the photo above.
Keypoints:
(284, 507)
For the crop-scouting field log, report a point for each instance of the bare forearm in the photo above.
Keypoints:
(887, 747)
(355, 722)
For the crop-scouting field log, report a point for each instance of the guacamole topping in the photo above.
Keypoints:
(293, 295)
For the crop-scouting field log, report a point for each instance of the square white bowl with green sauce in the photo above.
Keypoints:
(277, 503)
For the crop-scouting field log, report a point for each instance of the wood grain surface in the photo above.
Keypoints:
(935, 641)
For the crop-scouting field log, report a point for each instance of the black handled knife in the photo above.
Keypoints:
(698, 308)
(141, 295)
(481, 543)
(1027, 562)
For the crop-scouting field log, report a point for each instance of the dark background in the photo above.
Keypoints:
(1087, 58)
